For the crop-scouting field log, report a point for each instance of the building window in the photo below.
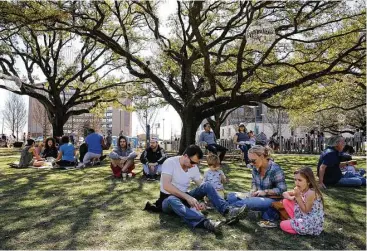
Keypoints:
(222, 132)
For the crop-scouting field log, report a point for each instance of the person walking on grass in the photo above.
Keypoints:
(177, 173)
(304, 204)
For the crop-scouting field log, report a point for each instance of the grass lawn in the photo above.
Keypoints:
(88, 209)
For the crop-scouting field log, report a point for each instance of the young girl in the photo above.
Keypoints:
(215, 176)
(304, 205)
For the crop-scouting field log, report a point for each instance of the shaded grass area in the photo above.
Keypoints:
(88, 209)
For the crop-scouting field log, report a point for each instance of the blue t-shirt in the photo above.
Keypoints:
(330, 158)
(94, 141)
(67, 151)
(242, 136)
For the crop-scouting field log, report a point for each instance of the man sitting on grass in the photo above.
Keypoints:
(328, 168)
(177, 173)
(122, 159)
(152, 159)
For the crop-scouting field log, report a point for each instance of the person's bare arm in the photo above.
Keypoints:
(235, 138)
(321, 175)
(167, 185)
(306, 206)
(59, 156)
(289, 195)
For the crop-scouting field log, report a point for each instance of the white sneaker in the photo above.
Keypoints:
(249, 166)
(80, 165)
(124, 176)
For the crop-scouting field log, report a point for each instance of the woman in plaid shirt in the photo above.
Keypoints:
(268, 182)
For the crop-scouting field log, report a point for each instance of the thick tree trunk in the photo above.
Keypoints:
(190, 123)
(58, 121)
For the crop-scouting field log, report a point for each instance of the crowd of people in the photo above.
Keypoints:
(300, 209)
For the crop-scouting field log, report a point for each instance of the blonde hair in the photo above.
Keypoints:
(260, 150)
(212, 160)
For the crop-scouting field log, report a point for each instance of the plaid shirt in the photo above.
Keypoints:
(273, 180)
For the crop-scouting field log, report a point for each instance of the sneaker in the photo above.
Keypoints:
(102, 157)
(267, 224)
(213, 226)
(124, 176)
(150, 178)
(249, 166)
(235, 214)
(81, 165)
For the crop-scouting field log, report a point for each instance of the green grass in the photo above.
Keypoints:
(88, 209)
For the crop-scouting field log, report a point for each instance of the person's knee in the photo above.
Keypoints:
(207, 186)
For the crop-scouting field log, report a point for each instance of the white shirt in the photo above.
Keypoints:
(180, 179)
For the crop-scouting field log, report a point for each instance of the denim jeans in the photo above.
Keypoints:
(157, 169)
(244, 149)
(193, 217)
(350, 179)
(252, 203)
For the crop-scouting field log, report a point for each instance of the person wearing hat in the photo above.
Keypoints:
(208, 137)
(152, 159)
(240, 139)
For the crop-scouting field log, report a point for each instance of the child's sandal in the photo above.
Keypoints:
(267, 224)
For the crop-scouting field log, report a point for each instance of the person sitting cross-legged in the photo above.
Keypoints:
(328, 168)
(67, 152)
(209, 139)
(152, 159)
(122, 159)
(177, 173)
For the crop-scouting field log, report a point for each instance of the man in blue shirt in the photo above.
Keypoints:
(328, 168)
(95, 143)
(209, 139)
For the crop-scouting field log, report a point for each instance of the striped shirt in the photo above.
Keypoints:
(273, 179)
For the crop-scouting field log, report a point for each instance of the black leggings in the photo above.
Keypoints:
(65, 163)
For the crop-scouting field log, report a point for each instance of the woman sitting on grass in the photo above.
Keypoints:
(67, 152)
(29, 156)
(50, 149)
(304, 204)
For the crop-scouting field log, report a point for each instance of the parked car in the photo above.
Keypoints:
(39, 139)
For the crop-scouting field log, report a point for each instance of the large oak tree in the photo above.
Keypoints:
(205, 63)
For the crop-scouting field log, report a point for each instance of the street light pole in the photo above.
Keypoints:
(163, 130)
(120, 122)
(254, 107)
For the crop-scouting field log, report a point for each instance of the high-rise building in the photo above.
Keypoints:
(114, 120)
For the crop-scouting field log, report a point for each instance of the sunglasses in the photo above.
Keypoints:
(253, 161)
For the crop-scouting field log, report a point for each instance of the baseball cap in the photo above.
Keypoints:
(242, 124)
(154, 140)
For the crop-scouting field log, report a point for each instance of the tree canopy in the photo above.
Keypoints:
(210, 56)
